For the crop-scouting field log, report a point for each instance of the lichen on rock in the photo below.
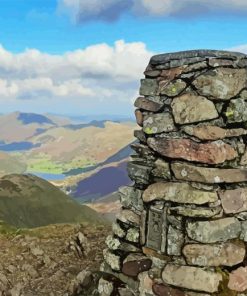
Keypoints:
(182, 230)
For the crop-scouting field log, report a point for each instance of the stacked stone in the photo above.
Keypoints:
(182, 230)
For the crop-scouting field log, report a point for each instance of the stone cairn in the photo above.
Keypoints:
(182, 230)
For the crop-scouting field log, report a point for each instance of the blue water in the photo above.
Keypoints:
(49, 177)
(18, 146)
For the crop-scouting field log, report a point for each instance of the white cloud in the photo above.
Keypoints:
(123, 62)
(99, 74)
(240, 48)
(170, 7)
(110, 10)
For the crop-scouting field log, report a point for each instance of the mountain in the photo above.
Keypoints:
(55, 148)
(62, 149)
(29, 118)
(10, 164)
(59, 120)
(27, 201)
(103, 182)
(100, 117)
(52, 144)
(119, 156)
(19, 127)
(95, 123)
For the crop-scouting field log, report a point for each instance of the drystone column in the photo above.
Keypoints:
(182, 230)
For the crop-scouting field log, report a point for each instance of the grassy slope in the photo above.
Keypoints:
(44, 164)
(28, 201)
(65, 149)
(10, 164)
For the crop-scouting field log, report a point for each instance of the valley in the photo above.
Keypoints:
(58, 183)
(77, 156)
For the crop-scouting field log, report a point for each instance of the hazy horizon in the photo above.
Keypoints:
(130, 116)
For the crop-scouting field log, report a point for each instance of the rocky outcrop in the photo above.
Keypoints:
(51, 260)
(183, 227)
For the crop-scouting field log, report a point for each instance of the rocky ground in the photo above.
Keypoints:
(49, 261)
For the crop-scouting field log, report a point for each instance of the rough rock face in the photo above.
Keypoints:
(158, 123)
(184, 171)
(221, 83)
(183, 227)
(190, 108)
(211, 153)
(234, 201)
(238, 280)
(178, 192)
(214, 231)
(212, 132)
(226, 254)
(236, 111)
(193, 278)
(161, 289)
(147, 104)
(173, 88)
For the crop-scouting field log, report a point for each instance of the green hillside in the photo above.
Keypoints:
(10, 164)
(62, 149)
(27, 201)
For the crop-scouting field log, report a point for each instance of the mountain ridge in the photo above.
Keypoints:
(27, 201)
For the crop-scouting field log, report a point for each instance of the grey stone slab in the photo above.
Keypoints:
(214, 231)
(155, 231)
(202, 53)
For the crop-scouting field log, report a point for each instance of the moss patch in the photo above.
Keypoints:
(223, 289)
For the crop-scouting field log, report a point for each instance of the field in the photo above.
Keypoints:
(42, 163)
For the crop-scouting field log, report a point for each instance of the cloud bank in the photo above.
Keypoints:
(106, 10)
(97, 78)
(111, 10)
(240, 48)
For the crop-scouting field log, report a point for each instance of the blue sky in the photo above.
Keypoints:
(73, 56)
(39, 24)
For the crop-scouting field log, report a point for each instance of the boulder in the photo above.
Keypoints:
(190, 108)
(211, 153)
(192, 278)
(178, 192)
(189, 172)
(214, 231)
(221, 83)
(223, 254)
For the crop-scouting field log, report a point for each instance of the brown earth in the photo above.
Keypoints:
(46, 261)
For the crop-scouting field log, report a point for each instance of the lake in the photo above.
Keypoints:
(48, 176)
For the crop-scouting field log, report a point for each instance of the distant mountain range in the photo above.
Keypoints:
(29, 118)
(59, 147)
(92, 117)
(20, 127)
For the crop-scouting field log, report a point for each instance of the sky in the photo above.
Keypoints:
(86, 57)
